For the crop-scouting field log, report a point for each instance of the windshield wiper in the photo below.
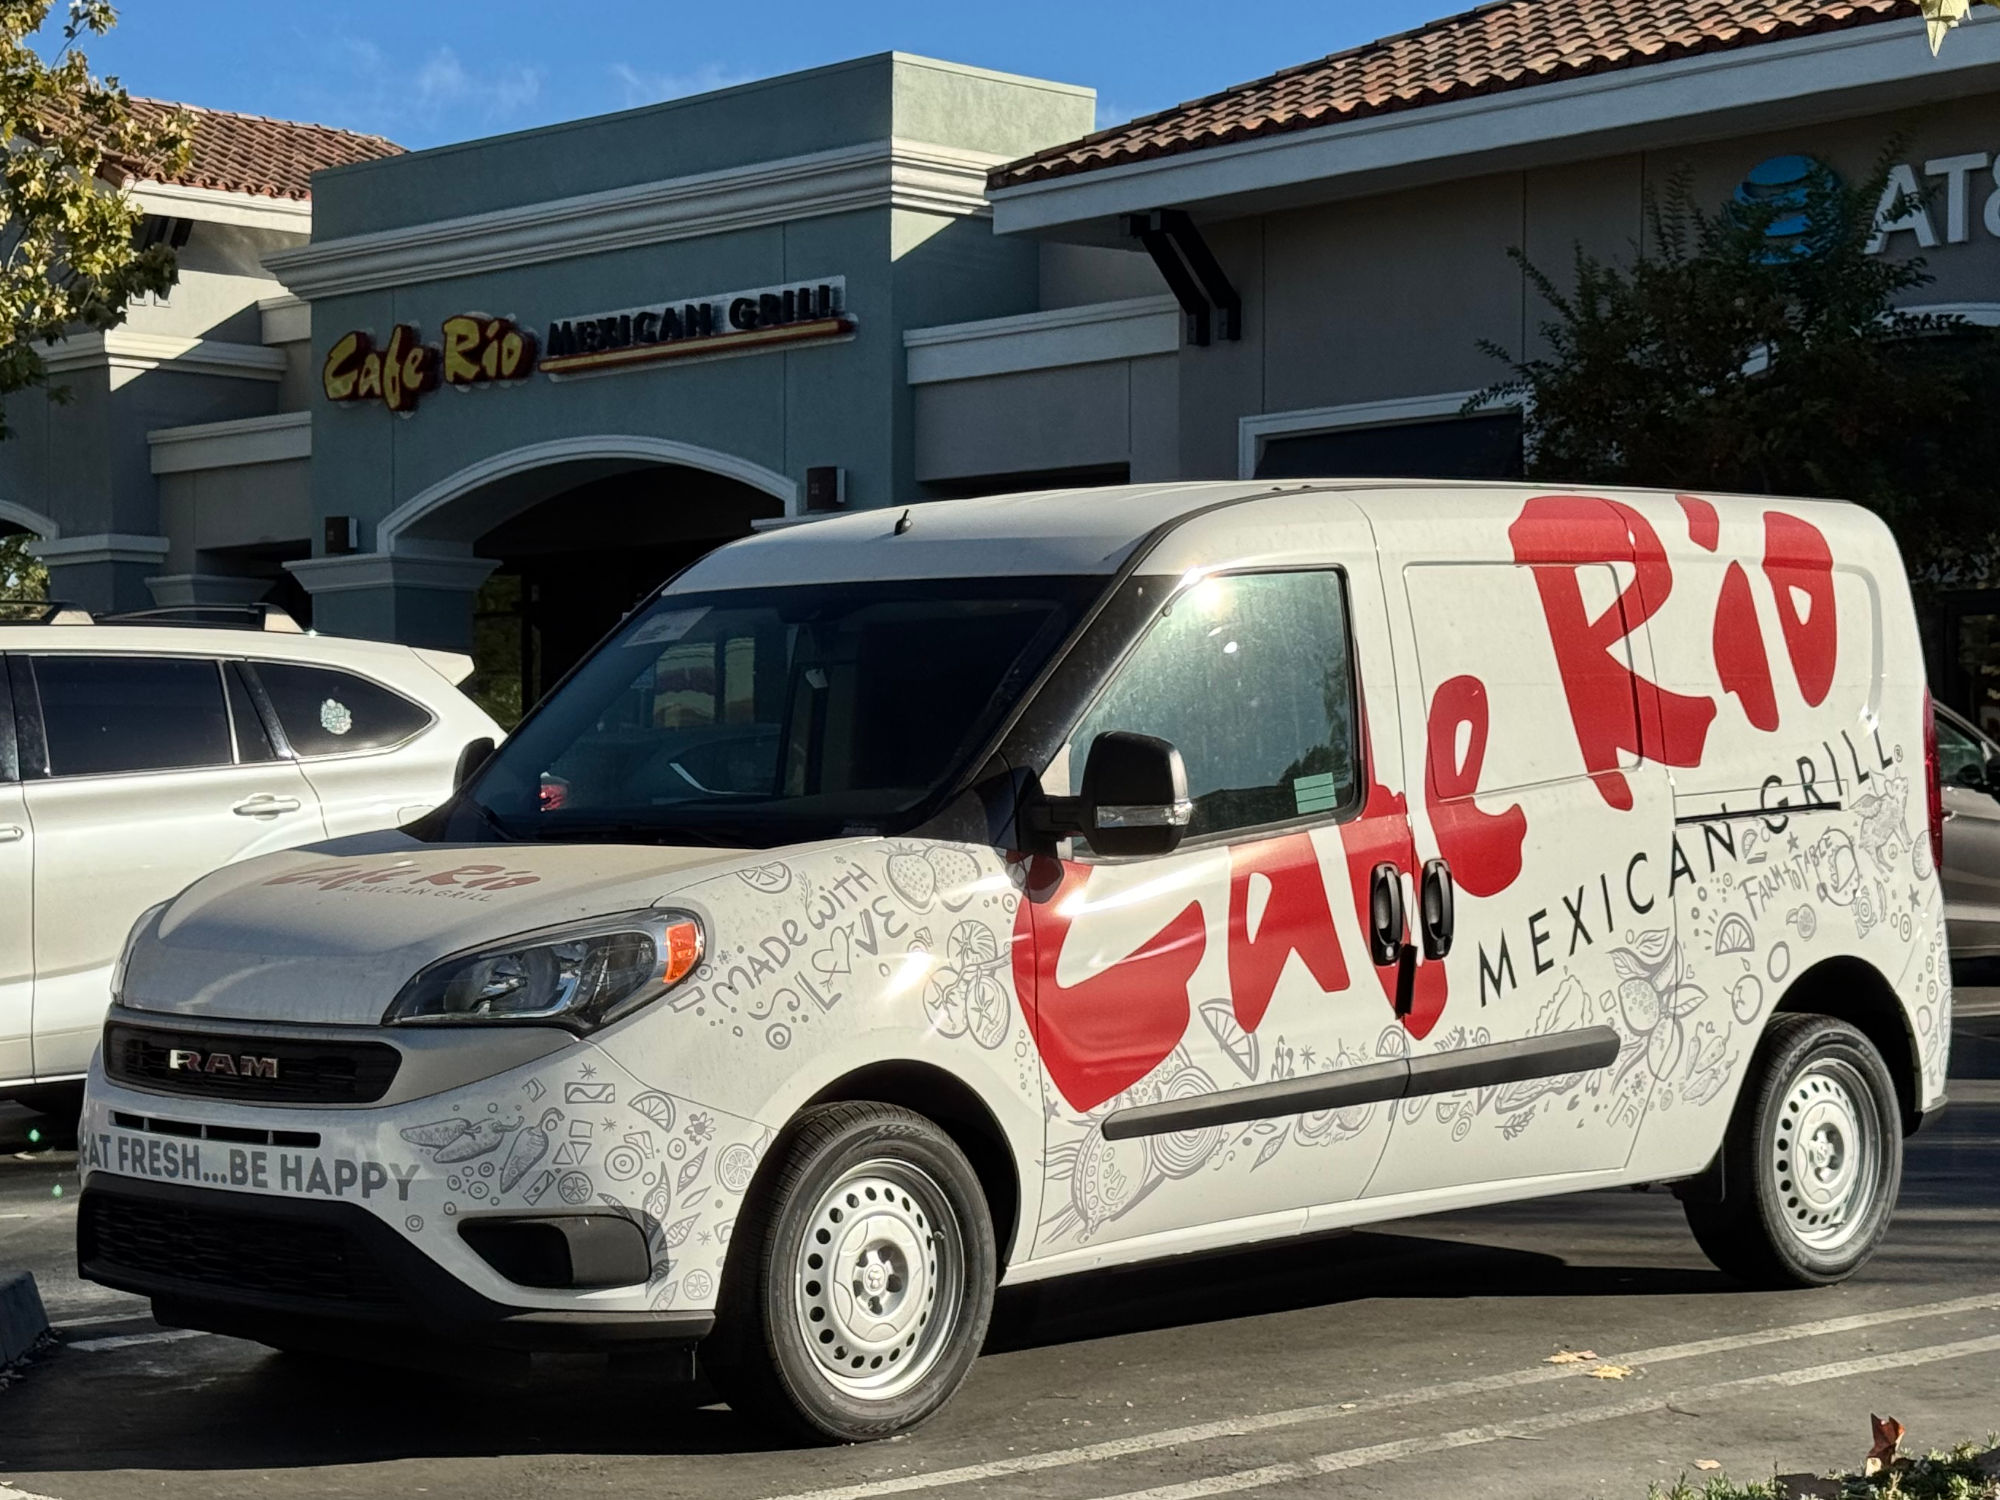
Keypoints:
(635, 832)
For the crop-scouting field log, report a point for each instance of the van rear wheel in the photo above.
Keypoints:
(863, 1279)
(1812, 1162)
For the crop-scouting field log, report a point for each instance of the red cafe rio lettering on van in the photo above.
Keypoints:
(1099, 1036)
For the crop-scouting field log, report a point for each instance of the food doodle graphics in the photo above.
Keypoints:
(613, 1143)
(1708, 803)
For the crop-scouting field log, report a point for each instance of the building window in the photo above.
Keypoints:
(1481, 447)
(1028, 480)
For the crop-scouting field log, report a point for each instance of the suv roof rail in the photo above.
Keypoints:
(269, 617)
(42, 612)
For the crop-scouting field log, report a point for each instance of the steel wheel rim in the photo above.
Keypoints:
(1826, 1155)
(879, 1278)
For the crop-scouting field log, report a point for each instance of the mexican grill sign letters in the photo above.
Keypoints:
(477, 349)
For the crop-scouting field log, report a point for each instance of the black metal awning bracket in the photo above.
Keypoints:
(1192, 273)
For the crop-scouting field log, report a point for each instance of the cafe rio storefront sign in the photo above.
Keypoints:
(475, 349)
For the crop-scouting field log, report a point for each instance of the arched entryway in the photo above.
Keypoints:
(18, 526)
(576, 533)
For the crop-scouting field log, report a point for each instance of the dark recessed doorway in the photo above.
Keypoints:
(572, 565)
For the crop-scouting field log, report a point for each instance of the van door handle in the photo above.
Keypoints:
(264, 805)
(12, 833)
(1386, 919)
(1436, 909)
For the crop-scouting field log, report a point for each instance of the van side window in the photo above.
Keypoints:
(108, 714)
(324, 712)
(1251, 678)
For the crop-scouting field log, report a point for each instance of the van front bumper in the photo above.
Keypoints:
(317, 1273)
(562, 1203)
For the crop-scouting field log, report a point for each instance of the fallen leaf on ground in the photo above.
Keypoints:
(1705, 1464)
(1609, 1372)
(1571, 1357)
(1888, 1437)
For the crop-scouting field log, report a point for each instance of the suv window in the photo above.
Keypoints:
(1957, 751)
(1251, 679)
(107, 714)
(325, 712)
(10, 759)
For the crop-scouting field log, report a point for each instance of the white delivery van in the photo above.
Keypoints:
(917, 900)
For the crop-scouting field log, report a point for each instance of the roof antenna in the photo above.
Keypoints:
(902, 523)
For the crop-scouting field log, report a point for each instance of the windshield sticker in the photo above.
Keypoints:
(335, 717)
(1315, 794)
(664, 629)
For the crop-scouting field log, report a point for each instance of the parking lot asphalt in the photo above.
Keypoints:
(1400, 1362)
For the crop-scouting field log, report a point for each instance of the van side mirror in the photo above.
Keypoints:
(1991, 777)
(1135, 795)
(470, 759)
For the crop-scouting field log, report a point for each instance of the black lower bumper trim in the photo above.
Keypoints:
(386, 1287)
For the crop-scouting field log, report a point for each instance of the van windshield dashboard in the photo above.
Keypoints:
(757, 717)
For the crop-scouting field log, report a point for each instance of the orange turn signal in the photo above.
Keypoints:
(683, 951)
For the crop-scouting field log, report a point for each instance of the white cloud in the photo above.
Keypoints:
(650, 88)
(436, 98)
(442, 83)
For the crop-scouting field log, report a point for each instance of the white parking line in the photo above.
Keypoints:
(9, 1493)
(129, 1340)
(1468, 1437)
(1227, 1427)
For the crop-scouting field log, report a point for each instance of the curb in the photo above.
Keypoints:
(22, 1321)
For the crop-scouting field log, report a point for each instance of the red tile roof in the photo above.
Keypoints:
(1508, 44)
(268, 158)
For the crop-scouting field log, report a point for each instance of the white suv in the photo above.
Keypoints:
(140, 752)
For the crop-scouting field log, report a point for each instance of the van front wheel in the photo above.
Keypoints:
(1812, 1162)
(861, 1295)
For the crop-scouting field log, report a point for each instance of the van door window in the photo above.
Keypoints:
(1250, 676)
(107, 714)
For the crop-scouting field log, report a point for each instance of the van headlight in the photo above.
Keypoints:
(582, 976)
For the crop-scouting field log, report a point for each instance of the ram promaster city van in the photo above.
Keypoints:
(1000, 888)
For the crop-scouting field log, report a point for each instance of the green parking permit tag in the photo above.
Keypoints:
(1315, 794)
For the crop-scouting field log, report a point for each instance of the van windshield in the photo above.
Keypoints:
(759, 717)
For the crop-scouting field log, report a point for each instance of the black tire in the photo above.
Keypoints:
(1772, 1228)
(904, 1190)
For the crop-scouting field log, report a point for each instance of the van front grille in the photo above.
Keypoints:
(261, 1069)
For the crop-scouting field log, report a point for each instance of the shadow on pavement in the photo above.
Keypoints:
(213, 1404)
(199, 1405)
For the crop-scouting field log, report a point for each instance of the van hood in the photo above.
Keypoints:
(330, 934)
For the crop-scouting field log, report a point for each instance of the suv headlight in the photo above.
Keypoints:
(582, 976)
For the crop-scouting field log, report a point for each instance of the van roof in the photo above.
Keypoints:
(1069, 531)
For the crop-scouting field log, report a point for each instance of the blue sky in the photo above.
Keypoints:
(423, 72)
